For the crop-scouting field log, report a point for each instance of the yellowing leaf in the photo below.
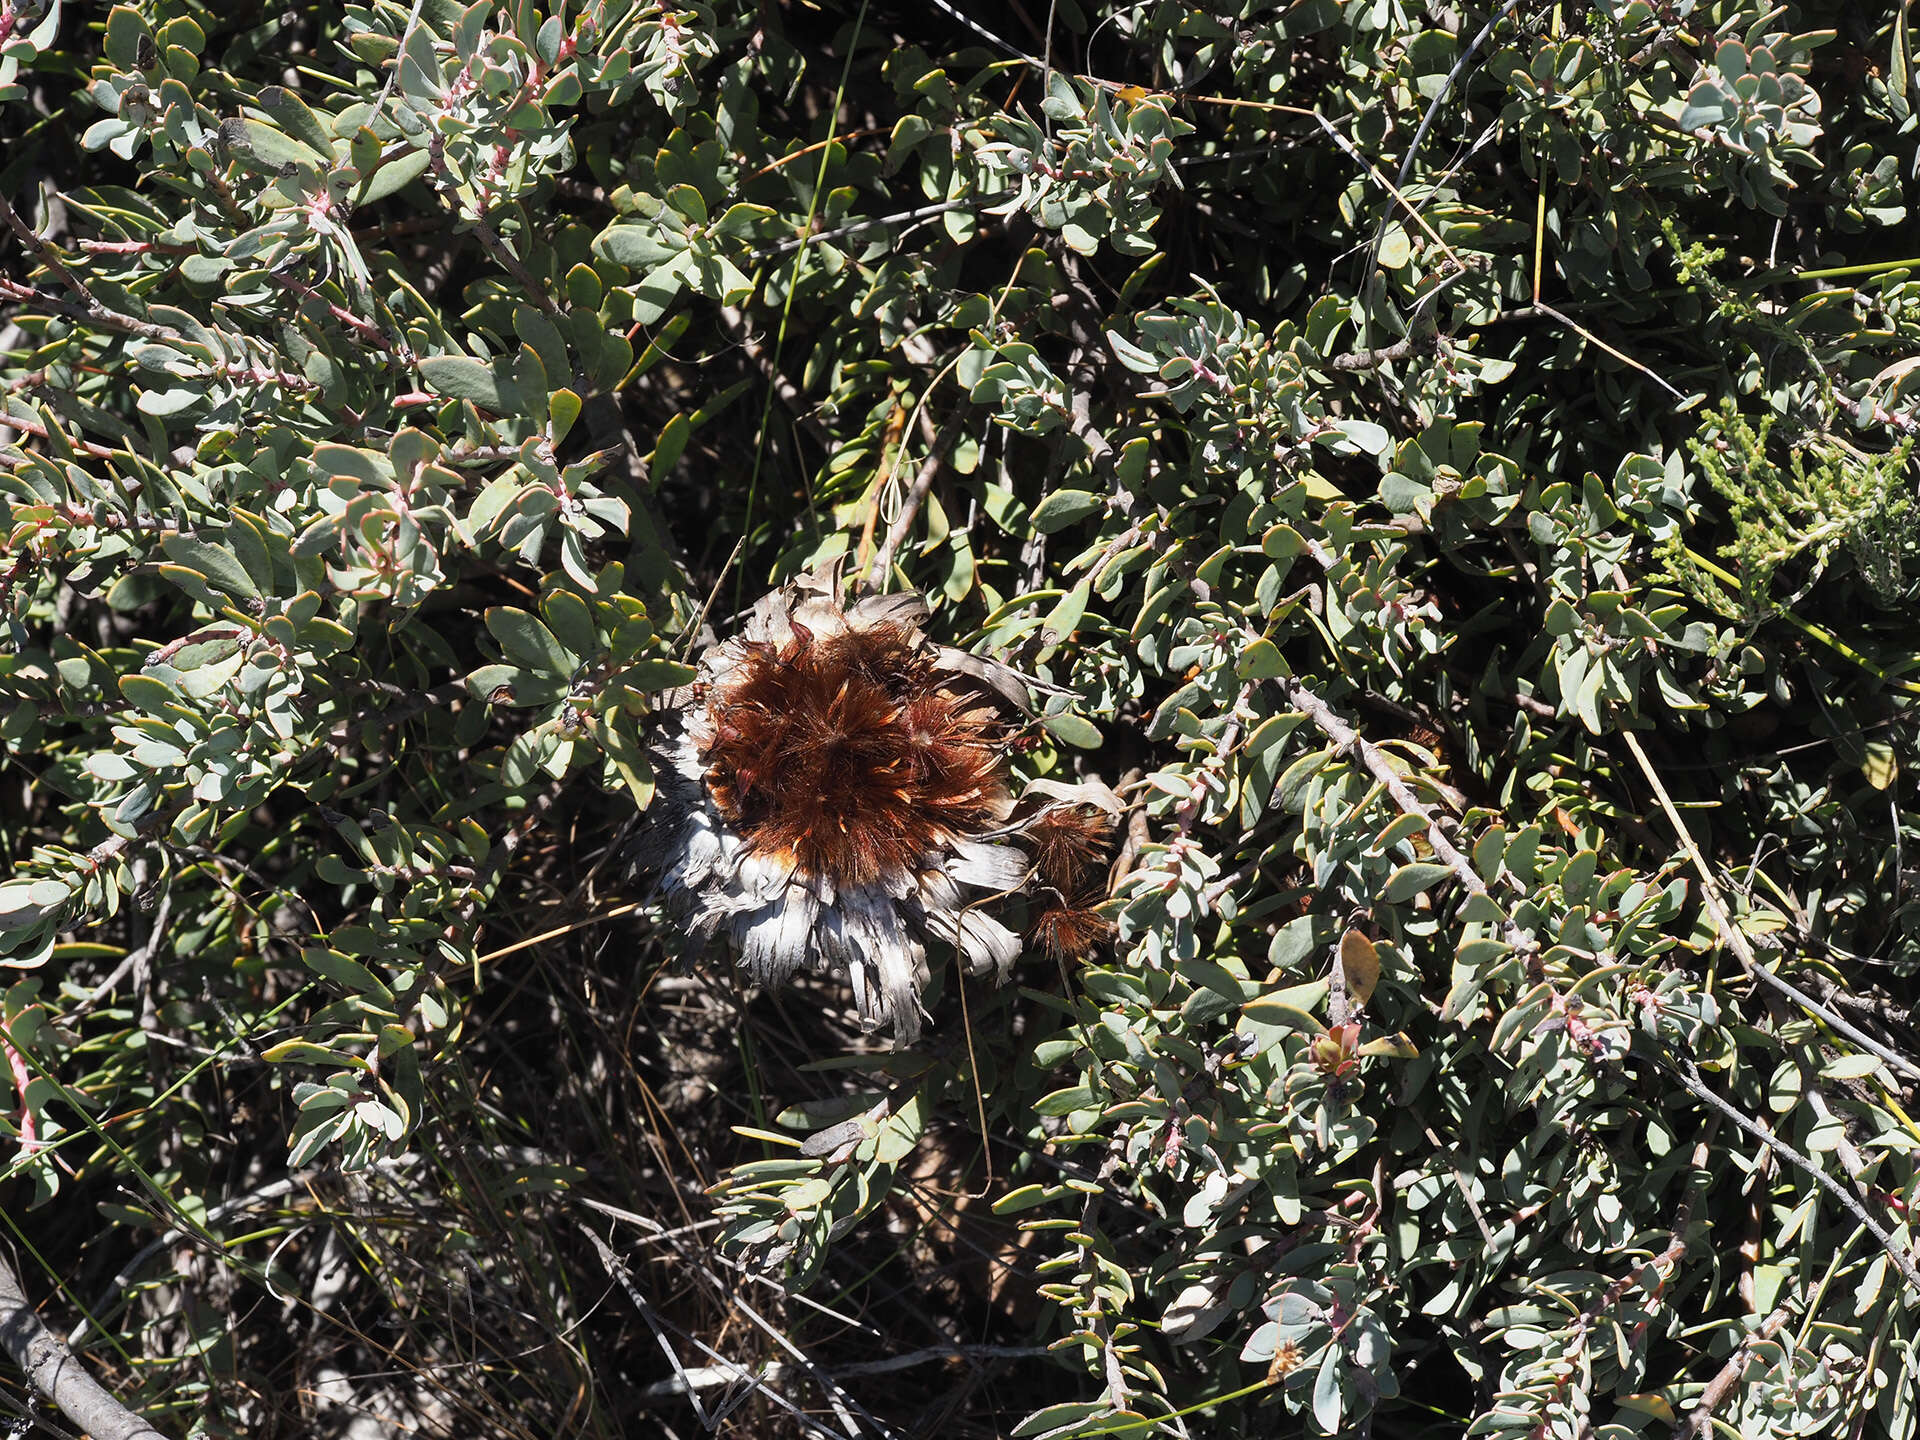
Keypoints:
(1882, 765)
(770, 1137)
(1320, 488)
(1360, 963)
(1396, 1045)
(1278, 1012)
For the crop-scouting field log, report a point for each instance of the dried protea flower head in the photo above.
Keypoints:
(836, 793)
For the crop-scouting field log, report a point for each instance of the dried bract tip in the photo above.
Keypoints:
(834, 790)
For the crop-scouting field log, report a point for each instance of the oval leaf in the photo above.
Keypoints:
(1409, 880)
(1063, 507)
(1360, 964)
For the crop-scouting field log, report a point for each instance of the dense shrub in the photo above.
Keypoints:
(1449, 470)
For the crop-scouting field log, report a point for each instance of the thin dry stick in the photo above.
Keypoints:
(837, 1398)
(1392, 189)
(660, 1325)
(1326, 127)
(489, 237)
(1424, 338)
(937, 447)
(710, 1376)
(1736, 942)
(904, 217)
(1593, 339)
(50, 258)
(893, 439)
(399, 53)
(1433, 109)
(973, 1064)
(691, 637)
(910, 508)
(618, 1270)
(57, 1373)
(94, 314)
(118, 1287)
(1388, 354)
(135, 958)
(1688, 1074)
(844, 138)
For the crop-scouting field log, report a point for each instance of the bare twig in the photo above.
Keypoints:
(369, 332)
(992, 39)
(115, 845)
(1731, 937)
(118, 1286)
(923, 212)
(1424, 337)
(1090, 352)
(710, 1376)
(40, 247)
(1352, 152)
(1722, 1385)
(1080, 426)
(1688, 1074)
(57, 1373)
(1540, 307)
(910, 507)
(1413, 344)
(399, 54)
(660, 1325)
(1620, 355)
(790, 395)
(489, 237)
(836, 1397)
(1348, 740)
(95, 314)
(91, 306)
(1433, 110)
(135, 958)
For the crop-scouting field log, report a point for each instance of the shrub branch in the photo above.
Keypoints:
(57, 1373)
(1349, 741)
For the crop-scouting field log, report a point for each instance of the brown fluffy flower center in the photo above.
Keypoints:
(851, 755)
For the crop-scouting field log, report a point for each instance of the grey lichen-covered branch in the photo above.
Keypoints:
(57, 1373)
(1348, 740)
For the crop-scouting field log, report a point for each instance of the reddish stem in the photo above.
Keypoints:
(22, 1077)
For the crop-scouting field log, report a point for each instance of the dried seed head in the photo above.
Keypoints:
(1068, 843)
(1069, 931)
(835, 785)
(1068, 830)
(1286, 1359)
